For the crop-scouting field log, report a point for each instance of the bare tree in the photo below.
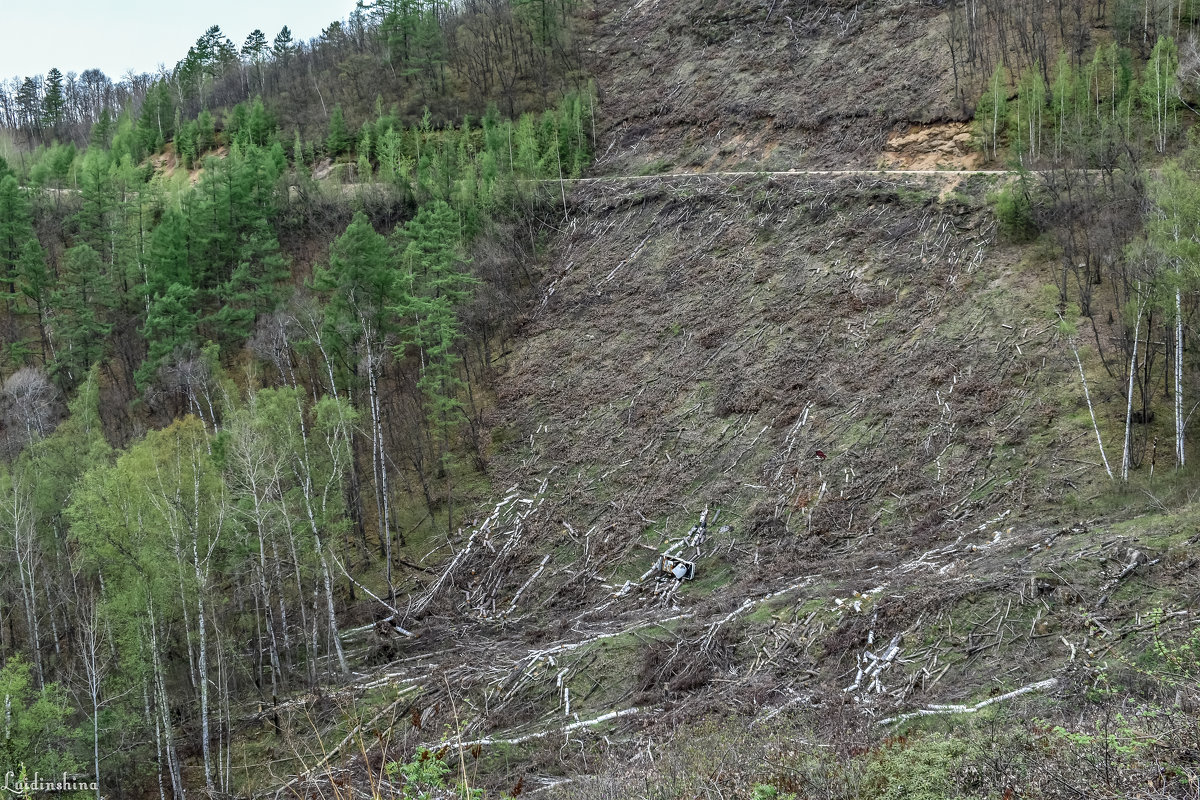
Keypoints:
(29, 407)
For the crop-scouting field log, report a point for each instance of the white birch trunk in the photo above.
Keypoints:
(383, 503)
(203, 665)
(164, 709)
(90, 648)
(307, 492)
(1137, 326)
(18, 517)
(1088, 397)
(1179, 422)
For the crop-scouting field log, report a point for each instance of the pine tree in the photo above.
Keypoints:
(363, 167)
(338, 141)
(16, 237)
(29, 106)
(170, 326)
(283, 45)
(53, 103)
(255, 50)
(436, 287)
(34, 281)
(83, 302)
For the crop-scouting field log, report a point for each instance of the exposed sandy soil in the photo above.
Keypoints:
(941, 146)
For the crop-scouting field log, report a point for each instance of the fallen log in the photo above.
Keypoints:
(1050, 683)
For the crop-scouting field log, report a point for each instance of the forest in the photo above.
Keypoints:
(250, 314)
(1097, 130)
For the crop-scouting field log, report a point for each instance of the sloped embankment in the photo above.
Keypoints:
(854, 378)
(846, 401)
(724, 83)
(702, 342)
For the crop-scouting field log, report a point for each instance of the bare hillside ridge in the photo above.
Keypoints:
(786, 84)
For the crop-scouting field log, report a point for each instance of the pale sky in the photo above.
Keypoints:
(138, 35)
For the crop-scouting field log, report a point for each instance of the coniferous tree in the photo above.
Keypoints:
(53, 102)
(283, 46)
(255, 50)
(24, 278)
(83, 300)
(361, 285)
(338, 141)
(170, 327)
(436, 287)
(16, 238)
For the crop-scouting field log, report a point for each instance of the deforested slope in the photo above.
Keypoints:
(849, 383)
(859, 413)
(786, 84)
(849, 400)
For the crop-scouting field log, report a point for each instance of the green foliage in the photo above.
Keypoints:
(338, 141)
(83, 301)
(251, 124)
(213, 532)
(436, 286)
(1014, 207)
(52, 166)
(156, 122)
(1173, 660)
(1093, 111)
(360, 282)
(16, 230)
(283, 45)
(1026, 123)
(765, 791)
(170, 328)
(37, 737)
(53, 101)
(1175, 228)
(991, 113)
(1160, 92)
(423, 777)
(921, 767)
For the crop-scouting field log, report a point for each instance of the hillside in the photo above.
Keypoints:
(632, 400)
(854, 399)
(787, 85)
(865, 393)
(851, 401)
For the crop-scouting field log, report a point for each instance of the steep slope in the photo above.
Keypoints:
(847, 399)
(853, 372)
(777, 85)
(857, 391)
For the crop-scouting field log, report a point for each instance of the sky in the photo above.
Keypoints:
(138, 35)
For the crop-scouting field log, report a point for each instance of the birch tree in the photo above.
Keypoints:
(317, 453)
(991, 114)
(95, 656)
(1160, 92)
(1133, 371)
(1173, 230)
(17, 518)
(188, 496)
